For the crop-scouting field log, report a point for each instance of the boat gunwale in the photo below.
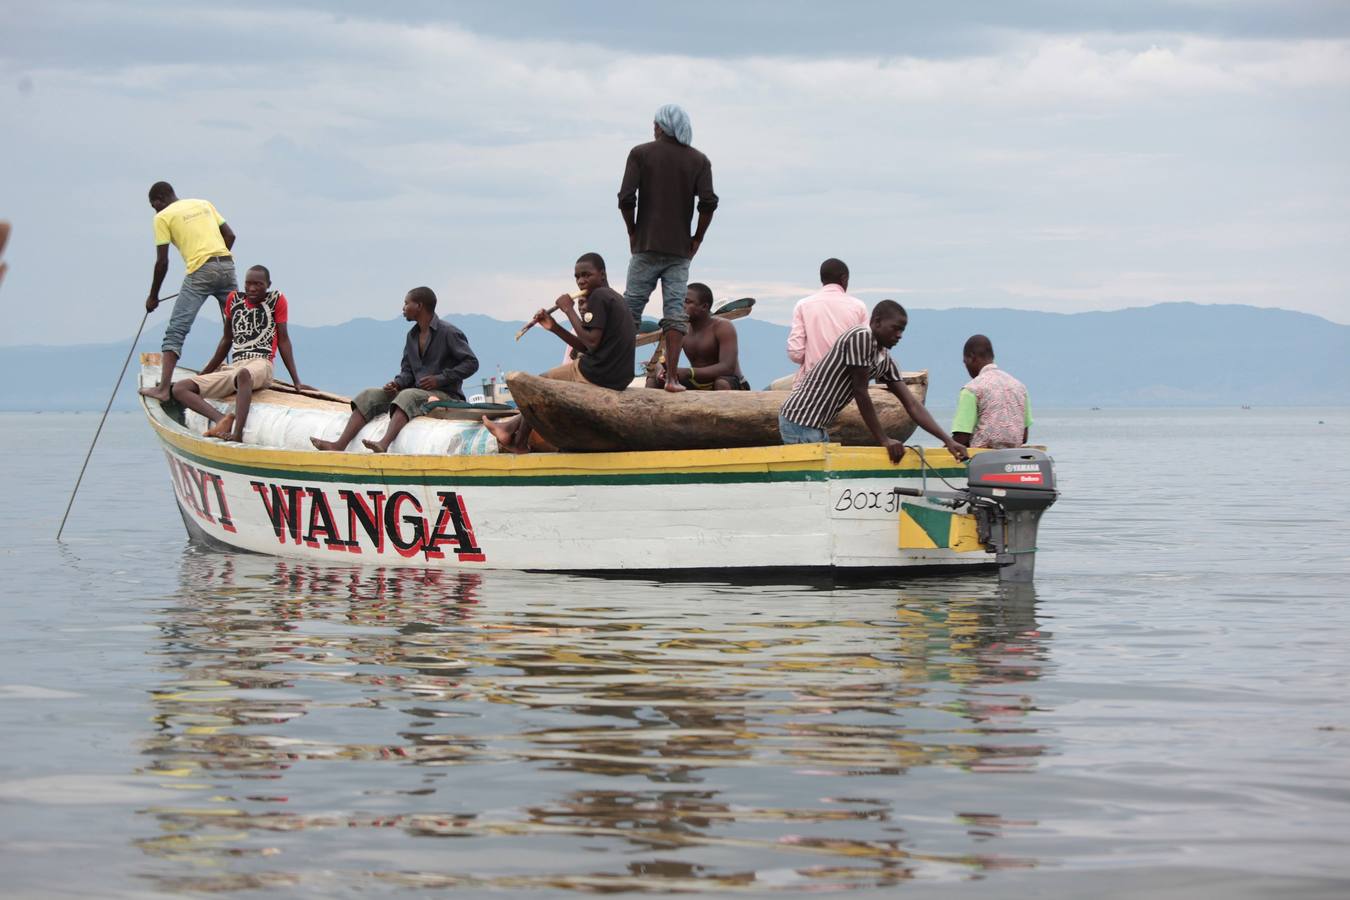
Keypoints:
(795, 462)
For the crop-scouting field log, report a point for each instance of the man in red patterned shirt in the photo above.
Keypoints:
(255, 329)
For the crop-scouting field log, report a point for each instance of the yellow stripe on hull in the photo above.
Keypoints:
(830, 458)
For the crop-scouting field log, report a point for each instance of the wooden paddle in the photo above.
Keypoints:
(575, 295)
(286, 387)
(738, 312)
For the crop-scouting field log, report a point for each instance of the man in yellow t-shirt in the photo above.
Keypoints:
(204, 240)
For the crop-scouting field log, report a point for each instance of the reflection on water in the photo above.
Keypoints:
(326, 726)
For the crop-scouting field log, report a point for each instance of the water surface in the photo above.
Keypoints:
(1164, 713)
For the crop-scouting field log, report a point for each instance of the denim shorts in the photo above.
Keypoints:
(644, 270)
(793, 433)
(214, 278)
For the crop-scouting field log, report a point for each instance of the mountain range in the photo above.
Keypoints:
(1171, 354)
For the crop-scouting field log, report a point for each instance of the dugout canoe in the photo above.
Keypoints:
(754, 512)
(582, 418)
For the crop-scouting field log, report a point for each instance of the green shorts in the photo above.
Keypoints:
(374, 402)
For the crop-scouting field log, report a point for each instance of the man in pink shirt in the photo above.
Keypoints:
(818, 320)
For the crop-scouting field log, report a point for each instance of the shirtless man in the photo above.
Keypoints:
(710, 346)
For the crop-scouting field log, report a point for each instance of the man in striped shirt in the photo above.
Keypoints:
(857, 357)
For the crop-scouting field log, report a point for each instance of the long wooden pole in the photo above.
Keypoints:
(111, 397)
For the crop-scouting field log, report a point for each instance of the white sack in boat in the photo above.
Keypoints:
(286, 428)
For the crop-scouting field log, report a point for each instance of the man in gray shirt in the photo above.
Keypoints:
(656, 200)
(436, 360)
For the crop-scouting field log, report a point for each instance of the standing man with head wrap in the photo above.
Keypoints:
(656, 200)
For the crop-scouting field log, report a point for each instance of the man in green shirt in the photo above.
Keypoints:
(993, 409)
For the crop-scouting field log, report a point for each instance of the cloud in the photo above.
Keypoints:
(363, 152)
(321, 171)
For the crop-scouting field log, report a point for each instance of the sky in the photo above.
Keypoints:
(1060, 156)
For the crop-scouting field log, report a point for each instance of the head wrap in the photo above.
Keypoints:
(675, 122)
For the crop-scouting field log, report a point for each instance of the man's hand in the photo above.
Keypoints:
(957, 450)
(565, 303)
(4, 238)
(545, 321)
(391, 390)
(894, 449)
(693, 247)
(429, 382)
(304, 387)
(151, 303)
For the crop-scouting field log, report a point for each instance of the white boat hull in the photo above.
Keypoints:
(801, 508)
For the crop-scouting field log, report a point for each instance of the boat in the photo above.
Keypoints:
(584, 418)
(751, 511)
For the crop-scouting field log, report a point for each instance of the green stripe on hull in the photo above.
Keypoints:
(935, 523)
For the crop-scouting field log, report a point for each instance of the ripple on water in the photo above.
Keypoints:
(630, 740)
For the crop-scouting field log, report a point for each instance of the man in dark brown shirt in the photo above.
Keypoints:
(600, 334)
(656, 200)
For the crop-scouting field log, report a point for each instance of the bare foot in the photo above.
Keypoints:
(321, 444)
(233, 437)
(159, 392)
(223, 428)
(374, 446)
(505, 434)
(675, 387)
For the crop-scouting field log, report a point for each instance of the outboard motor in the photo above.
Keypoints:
(1006, 491)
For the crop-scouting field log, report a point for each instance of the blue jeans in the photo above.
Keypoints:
(214, 278)
(793, 433)
(644, 269)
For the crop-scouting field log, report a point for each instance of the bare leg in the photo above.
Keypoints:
(188, 394)
(523, 437)
(508, 433)
(160, 392)
(243, 386)
(397, 419)
(722, 384)
(222, 429)
(674, 341)
(354, 425)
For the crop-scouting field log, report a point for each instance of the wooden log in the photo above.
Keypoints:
(584, 418)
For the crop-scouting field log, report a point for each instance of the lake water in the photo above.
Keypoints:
(1166, 714)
